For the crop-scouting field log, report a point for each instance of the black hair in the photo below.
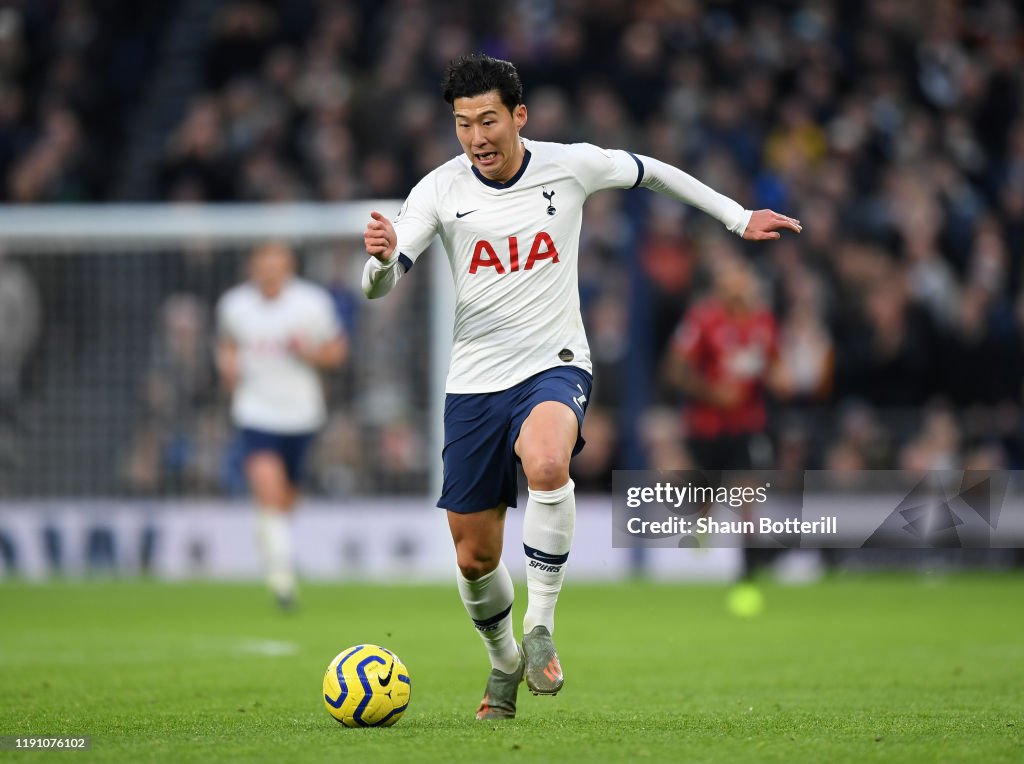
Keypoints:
(476, 73)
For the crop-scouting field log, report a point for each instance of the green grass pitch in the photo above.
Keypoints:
(873, 668)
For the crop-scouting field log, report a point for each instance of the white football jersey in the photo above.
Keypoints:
(513, 249)
(277, 391)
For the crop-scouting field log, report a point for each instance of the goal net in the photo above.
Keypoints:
(107, 335)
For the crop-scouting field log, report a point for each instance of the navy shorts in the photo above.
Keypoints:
(480, 433)
(291, 448)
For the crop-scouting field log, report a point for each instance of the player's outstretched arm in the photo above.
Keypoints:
(765, 225)
(761, 225)
(380, 274)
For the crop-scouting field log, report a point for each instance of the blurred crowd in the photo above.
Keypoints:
(893, 129)
(71, 71)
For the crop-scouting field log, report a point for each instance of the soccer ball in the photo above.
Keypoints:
(367, 686)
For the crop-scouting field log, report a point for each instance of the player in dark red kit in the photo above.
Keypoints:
(723, 356)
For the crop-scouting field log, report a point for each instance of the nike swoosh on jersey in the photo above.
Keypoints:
(463, 214)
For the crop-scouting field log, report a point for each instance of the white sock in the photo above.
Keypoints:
(276, 537)
(547, 535)
(488, 601)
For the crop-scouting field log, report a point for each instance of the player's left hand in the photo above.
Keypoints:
(765, 225)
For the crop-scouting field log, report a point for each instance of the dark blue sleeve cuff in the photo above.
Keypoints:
(639, 168)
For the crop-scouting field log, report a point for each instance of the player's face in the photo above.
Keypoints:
(272, 266)
(737, 288)
(489, 134)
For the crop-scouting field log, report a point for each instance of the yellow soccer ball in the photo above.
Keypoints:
(366, 686)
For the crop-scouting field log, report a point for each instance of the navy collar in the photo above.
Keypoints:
(511, 181)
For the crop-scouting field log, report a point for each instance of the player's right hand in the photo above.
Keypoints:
(380, 237)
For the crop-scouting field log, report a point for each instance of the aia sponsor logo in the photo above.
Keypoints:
(485, 255)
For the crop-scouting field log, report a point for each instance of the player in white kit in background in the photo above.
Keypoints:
(509, 212)
(277, 331)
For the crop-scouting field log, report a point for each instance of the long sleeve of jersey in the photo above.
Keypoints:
(666, 179)
(380, 278)
(599, 169)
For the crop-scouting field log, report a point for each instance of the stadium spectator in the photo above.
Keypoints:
(242, 34)
(592, 468)
(806, 350)
(71, 71)
(936, 446)
(20, 328)
(195, 168)
(178, 393)
(58, 166)
(664, 440)
(890, 354)
(669, 260)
